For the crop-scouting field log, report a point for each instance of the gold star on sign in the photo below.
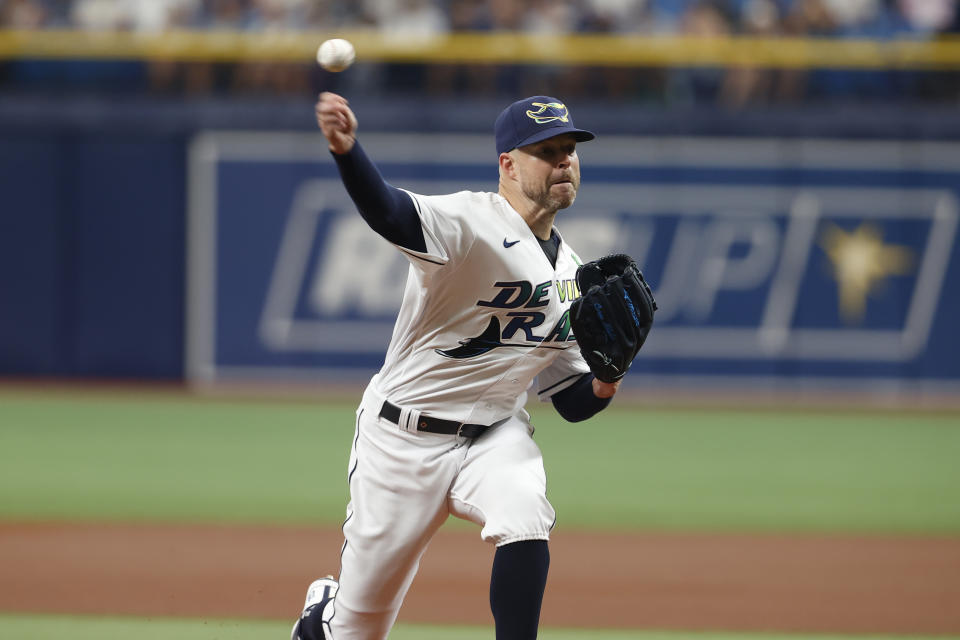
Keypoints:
(861, 262)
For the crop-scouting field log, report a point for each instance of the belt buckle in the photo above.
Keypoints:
(460, 429)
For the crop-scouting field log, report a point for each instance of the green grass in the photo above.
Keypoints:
(33, 627)
(757, 470)
(126, 457)
(155, 458)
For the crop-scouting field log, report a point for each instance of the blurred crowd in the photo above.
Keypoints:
(858, 17)
(426, 18)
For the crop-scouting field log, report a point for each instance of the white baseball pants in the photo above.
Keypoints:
(403, 486)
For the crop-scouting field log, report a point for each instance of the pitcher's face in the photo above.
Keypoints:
(549, 171)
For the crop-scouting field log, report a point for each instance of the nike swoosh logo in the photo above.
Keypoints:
(507, 245)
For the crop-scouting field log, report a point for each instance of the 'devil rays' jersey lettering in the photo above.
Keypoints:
(520, 328)
(481, 322)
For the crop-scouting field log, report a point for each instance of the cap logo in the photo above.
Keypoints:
(548, 112)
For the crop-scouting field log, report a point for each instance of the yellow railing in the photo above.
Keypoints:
(500, 48)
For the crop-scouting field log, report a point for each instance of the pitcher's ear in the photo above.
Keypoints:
(507, 164)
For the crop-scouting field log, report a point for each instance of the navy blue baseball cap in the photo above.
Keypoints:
(532, 120)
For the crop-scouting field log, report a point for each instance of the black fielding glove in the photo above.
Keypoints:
(612, 316)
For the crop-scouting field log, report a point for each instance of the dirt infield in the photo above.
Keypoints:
(649, 581)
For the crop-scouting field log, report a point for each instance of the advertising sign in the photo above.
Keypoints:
(804, 261)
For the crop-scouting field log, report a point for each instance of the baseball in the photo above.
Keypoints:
(335, 54)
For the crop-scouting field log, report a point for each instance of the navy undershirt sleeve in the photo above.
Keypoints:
(388, 210)
(578, 402)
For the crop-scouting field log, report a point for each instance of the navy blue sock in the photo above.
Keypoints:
(311, 625)
(516, 588)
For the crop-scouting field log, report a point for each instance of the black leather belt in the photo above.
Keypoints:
(391, 412)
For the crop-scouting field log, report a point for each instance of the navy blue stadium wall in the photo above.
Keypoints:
(93, 207)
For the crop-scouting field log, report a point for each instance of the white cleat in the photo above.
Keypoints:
(320, 593)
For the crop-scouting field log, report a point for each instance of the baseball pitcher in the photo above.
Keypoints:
(488, 314)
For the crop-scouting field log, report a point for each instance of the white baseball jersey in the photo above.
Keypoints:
(483, 314)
